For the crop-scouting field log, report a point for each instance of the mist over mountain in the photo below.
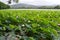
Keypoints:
(30, 6)
(23, 5)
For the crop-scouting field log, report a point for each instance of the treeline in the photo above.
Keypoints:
(40, 7)
(49, 7)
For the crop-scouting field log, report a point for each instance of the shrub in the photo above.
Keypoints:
(31, 25)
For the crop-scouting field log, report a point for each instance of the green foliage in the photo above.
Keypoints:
(57, 7)
(32, 24)
(49, 7)
(4, 6)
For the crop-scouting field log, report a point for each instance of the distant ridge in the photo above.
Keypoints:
(23, 5)
(30, 6)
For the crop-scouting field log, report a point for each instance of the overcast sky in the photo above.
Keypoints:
(38, 2)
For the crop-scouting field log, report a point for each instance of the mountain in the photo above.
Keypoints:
(23, 6)
(30, 6)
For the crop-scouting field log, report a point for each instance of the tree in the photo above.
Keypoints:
(9, 2)
(4, 6)
(16, 1)
(57, 7)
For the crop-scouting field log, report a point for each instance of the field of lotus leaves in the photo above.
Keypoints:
(30, 24)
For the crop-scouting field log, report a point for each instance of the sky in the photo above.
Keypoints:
(37, 2)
